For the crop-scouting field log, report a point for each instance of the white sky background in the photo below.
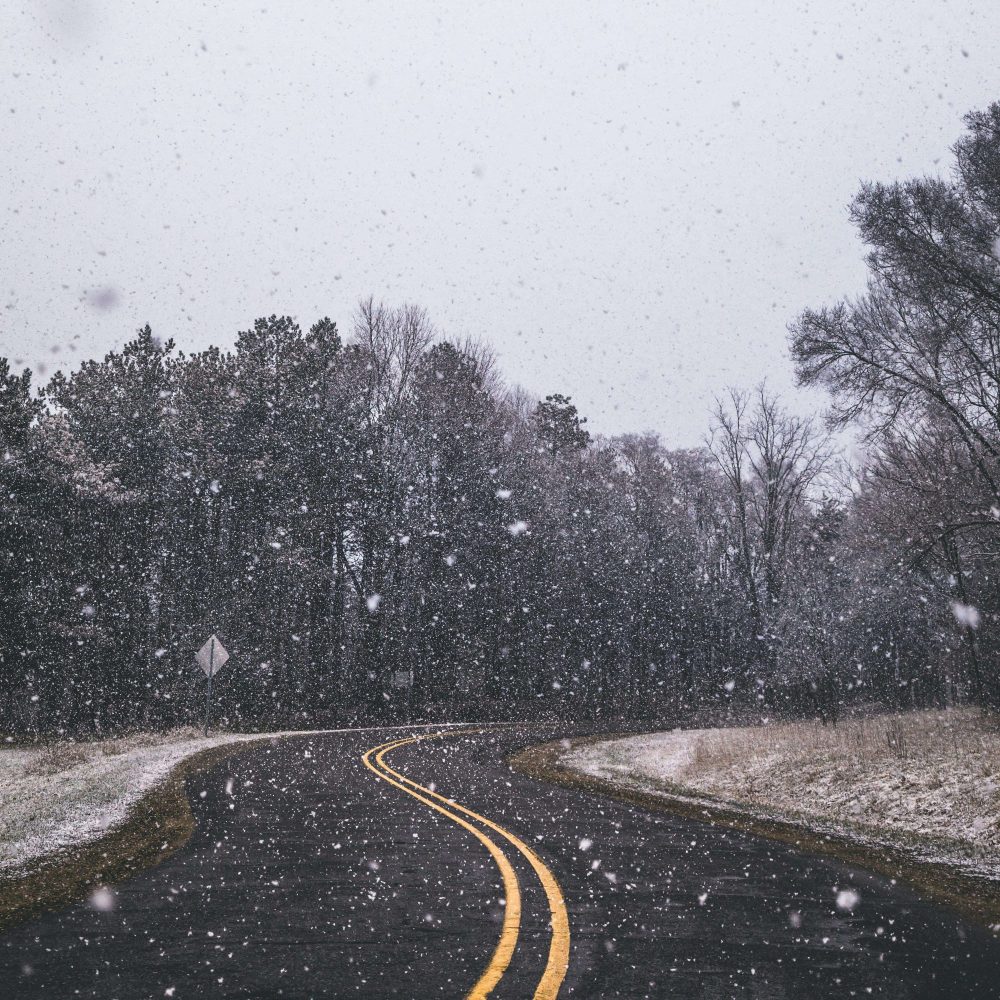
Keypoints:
(629, 201)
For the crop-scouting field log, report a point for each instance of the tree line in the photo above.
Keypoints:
(380, 527)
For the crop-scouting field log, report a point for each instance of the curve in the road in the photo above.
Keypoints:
(281, 892)
(558, 956)
(512, 911)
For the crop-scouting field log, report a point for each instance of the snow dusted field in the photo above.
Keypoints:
(931, 778)
(64, 794)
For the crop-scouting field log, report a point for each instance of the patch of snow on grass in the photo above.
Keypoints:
(660, 756)
(64, 794)
(927, 778)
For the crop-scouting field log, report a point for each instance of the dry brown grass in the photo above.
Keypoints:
(932, 776)
(62, 755)
(873, 742)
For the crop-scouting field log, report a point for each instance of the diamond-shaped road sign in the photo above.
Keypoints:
(212, 656)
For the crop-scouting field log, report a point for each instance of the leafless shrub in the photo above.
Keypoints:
(895, 736)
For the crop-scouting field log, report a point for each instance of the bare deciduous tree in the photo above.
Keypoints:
(770, 461)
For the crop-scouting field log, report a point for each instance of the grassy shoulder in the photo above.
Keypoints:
(156, 826)
(697, 774)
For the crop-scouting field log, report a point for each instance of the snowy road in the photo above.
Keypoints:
(310, 875)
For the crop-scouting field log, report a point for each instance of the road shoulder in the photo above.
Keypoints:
(157, 825)
(974, 897)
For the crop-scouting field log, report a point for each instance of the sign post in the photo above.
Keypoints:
(404, 679)
(211, 658)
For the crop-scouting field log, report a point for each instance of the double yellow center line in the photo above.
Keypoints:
(558, 958)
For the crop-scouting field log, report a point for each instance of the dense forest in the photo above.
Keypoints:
(378, 527)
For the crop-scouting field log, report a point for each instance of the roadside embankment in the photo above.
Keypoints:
(914, 795)
(61, 795)
(76, 816)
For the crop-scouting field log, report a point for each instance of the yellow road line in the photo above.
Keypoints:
(558, 958)
(512, 911)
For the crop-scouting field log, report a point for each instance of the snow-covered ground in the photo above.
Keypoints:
(64, 794)
(929, 781)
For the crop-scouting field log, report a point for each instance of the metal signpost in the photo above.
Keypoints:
(211, 658)
(404, 679)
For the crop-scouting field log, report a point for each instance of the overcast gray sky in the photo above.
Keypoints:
(630, 201)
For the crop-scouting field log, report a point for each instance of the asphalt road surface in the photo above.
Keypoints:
(324, 866)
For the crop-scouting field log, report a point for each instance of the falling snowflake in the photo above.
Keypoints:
(965, 614)
(102, 899)
(847, 899)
